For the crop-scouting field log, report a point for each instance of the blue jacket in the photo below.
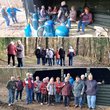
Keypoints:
(71, 80)
(12, 11)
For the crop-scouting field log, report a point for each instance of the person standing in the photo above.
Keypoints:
(71, 80)
(62, 56)
(12, 11)
(50, 53)
(38, 55)
(11, 51)
(28, 84)
(19, 86)
(11, 86)
(37, 85)
(66, 92)
(57, 57)
(58, 85)
(5, 16)
(20, 53)
(51, 88)
(63, 12)
(70, 55)
(43, 90)
(78, 91)
(43, 54)
(91, 91)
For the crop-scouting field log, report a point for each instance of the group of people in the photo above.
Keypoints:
(48, 56)
(9, 13)
(52, 92)
(64, 15)
(15, 50)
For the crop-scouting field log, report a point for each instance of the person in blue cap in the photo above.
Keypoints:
(12, 11)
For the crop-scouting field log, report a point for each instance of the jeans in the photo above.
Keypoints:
(29, 93)
(70, 61)
(43, 98)
(66, 100)
(62, 61)
(20, 62)
(11, 96)
(14, 19)
(38, 97)
(19, 92)
(7, 20)
(50, 61)
(83, 24)
(50, 99)
(43, 60)
(91, 101)
(78, 101)
(58, 61)
(38, 61)
(57, 98)
(13, 59)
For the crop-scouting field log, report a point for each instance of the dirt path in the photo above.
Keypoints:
(78, 61)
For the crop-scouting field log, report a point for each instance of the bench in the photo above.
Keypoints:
(101, 24)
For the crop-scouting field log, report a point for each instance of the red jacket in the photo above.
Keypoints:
(58, 87)
(29, 83)
(11, 49)
(43, 88)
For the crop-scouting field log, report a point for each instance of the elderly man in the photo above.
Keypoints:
(20, 53)
(91, 90)
(11, 86)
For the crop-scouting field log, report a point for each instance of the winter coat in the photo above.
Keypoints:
(29, 83)
(71, 53)
(19, 85)
(11, 85)
(11, 49)
(50, 54)
(57, 55)
(20, 51)
(66, 90)
(58, 87)
(4, 13)
(91, 87)
(62, 52)
(43, 53)
(38, 53)
(37, 85)
(51, 88)
(78, 88)
(43, 88)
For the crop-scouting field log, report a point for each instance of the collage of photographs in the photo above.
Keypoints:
(54, 54)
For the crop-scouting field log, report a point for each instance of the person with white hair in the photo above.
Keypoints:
(63, 12)
(91, 91)
(51, 88)
(38, 54)
(11, 86)
(11, 52)
(43, 89)
(5, 16)
(20, 53)
(29, 85)
(70, 55)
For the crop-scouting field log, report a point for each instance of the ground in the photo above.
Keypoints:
(21, 105)
(30, 61)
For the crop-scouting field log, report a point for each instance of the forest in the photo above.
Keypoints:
(96, 51)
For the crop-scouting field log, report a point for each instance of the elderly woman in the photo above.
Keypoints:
(86, 18)
(91, 90)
